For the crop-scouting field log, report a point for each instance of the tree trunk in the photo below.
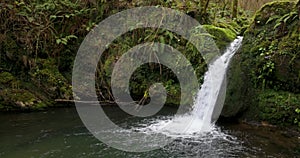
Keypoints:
(204, 6)
(234, 8)
(298, 6)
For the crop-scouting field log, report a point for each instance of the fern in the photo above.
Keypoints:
(285, 18)
(272, 18)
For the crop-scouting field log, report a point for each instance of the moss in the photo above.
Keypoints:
(279, 107)
(272, 55)
(40, 106)
(17, 97)
(222, 36)
(33, 95)
(232, 26)
(47, 77)
(244, 29)
(12, 99)
(268, 68)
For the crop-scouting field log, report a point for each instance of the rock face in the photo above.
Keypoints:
(266, 70)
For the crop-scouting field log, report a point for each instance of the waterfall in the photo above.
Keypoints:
(206, 107)
(206, 100)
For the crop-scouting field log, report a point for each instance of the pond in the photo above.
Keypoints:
(60, 133)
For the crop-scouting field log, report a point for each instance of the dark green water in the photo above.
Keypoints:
(60, 133)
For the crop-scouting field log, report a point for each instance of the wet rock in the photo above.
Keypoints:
(265, 74)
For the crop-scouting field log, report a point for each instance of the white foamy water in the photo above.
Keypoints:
(199, 120)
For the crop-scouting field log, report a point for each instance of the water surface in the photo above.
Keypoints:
(60, 133)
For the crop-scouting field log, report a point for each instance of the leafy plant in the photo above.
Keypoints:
(65, 40)
(285, 18)
(279, 107)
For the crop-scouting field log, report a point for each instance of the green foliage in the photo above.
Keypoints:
(44, 25)
(272, 54)
(65, 40)
(6, 78)
(297, 120)
(150, 73)
(279, 107)
(40, 106)
(269, 66)
(265, 66)
(272, 11)
(40, 39)
(47, 76)
(283, 19)
(18, 98)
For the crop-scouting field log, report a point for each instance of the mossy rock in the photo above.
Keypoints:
(269, 10)
(271, 51)
(237, 96)
(265, 73)
(222, 36)
(14, 99)
(233, 26)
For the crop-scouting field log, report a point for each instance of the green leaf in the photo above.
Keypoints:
(277, 24)
(71, 36)
(58, 41)
(53, 17)
(30, 19)
(10, 6)
(162, 40)
(64, 41)
(273, 18)
(28, 9)
(22, 14)
(286, 19)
